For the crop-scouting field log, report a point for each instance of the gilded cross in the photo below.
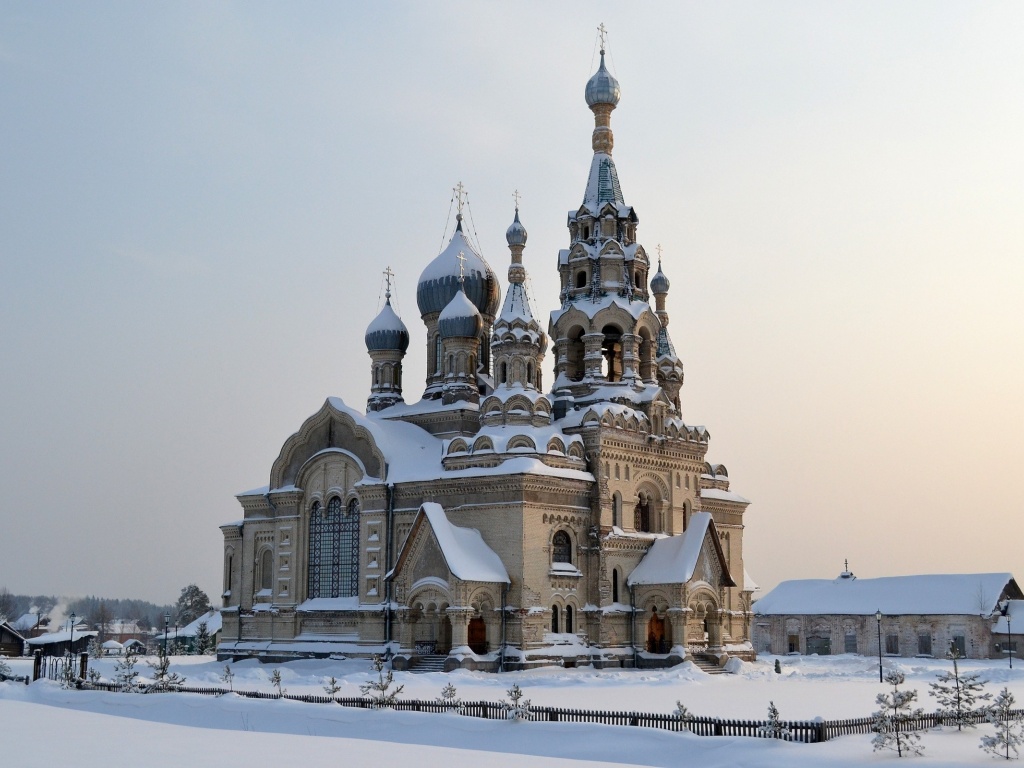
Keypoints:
(515, 196)
(604, 35)
(388, 274)
(658, 249)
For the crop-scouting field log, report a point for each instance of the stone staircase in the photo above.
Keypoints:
(427, 663)
(709, 664)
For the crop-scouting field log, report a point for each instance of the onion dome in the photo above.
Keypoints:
(387, 331)
(602, 88)
(460, 319)
(439, 282)
(516, 233)
(659, 283)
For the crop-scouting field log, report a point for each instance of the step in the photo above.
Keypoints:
(709, 665)
(427, 663)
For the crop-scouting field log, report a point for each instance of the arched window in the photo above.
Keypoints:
(611, 352)
(437, 353)
(554, 619)
(642, 514)
(529, 374)
(266, 570)
(334, 549)
(568, 618)
(616, 509)
(503, 377)
(581, 279)
(615, 585)
(575, 355)
(561, 548)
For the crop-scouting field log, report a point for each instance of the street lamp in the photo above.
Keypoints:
(878, 618)
(167, 621)
(1005, 610)
(71, 642)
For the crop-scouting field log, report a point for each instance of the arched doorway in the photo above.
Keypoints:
(657, 633)
(611, 352)
(642, 514)
(477, 635)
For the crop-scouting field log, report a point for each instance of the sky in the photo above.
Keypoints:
(198, 201)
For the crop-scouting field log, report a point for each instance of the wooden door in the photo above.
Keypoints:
(477, 635)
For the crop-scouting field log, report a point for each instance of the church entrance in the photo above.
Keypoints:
(477, 635)
(657, 641)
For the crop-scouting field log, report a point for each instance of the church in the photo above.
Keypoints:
(497, 523)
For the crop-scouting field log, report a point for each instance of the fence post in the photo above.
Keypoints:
(83, 665)
(37, 665)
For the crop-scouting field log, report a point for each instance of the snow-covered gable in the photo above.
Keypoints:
(213, 625)
(1016, 610)
(27, 621)
(719, 495)
(675, 559)
(60, 637)
(465, 552)
(939, 594)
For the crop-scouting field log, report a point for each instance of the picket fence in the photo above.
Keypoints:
(803, 731)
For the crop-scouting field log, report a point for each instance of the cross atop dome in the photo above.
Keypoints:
(603, 34)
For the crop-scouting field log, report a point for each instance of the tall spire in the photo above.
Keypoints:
(602, 96)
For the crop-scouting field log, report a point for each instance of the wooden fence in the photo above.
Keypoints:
(804, 731)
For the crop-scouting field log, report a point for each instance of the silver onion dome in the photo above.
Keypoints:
(659, 283)
(439, 282)
(516, 233)
(602, 88)
(460, 319)
(387, 332)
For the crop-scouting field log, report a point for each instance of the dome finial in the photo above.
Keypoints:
(388, 274)
(603, 34)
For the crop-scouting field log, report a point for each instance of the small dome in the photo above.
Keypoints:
(602, 88)
(516, 233)
(460, 319)
(387, 331)
(659, 283)
(440, 280)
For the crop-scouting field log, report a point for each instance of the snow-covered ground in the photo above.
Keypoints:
(172, 728)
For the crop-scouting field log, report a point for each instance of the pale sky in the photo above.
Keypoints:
(198, 199)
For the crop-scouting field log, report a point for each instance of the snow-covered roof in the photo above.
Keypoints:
(213, 624)
(1016, 626)
(602, 183)
(27, 621)
(590, 308)
(466, 553)
(112, 645)
(720, 495)
(748, 583)
(950, 593)
(674, 559)
(59, 637)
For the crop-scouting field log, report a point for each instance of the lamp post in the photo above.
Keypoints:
(1005, 610)
(878, 619)
(71, 642)
(167, 621)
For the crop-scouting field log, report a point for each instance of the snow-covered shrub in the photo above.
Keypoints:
(1009, 733)
(774, 728)
(227, 676)
(683, 714)
(163, 679)
(125, 675)
(893, 719)
(450, 698)
(68, 678)
(5, 668)
(379, 690)
(778, 667)
(95, 650)
(93, 676)
(275, 680)
(331, 686)
(958, 695)
(517, 708)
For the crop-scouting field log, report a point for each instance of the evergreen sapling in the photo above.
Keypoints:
(893, 719)
(275, 680)
(517, 708)
(774, 728)
(5, 669)
(450, 698)
(202, 639)
(331, 686)
(163, 679)
(228, 677)
(683, 714)
(379, 690)
(125, 675)
(958, 695)
(1009, 731)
